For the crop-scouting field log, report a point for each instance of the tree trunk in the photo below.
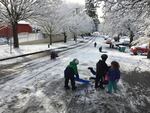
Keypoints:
(50, 39)
(65, 37)
(148, 54)
(15, 35)
(131, 36)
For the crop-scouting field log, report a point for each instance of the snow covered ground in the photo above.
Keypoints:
(37, 86)
(6, 51)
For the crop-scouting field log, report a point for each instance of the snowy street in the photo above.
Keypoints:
(37, 86)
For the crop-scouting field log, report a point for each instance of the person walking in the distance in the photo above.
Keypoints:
(95, 44)
(69, 73)
(101, 70)
(113, 76)
(100, 49)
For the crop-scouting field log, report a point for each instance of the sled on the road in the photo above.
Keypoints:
(82, 80)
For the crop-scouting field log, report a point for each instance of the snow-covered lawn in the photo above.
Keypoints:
(37, 86)
(7, 51)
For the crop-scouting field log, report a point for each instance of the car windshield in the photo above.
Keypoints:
(143, 45)
(124, 37)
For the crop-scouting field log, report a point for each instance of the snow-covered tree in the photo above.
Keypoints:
(126, 16)
(129, 16)
(91, 9)
(13, 11)
(51, 22)
(80, 23)
(63, 18)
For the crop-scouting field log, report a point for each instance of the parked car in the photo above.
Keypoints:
(125, 41)
(139, 49)
(106, 37)
(96, 34)
(111, 42)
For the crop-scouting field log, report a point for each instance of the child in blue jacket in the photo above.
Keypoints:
(113, 76)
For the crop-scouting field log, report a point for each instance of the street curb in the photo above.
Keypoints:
(23, 55)
(28, 54)
(49, 50)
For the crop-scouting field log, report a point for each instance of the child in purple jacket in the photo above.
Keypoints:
(113, 76)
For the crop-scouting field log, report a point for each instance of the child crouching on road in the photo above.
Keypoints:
(113, 76)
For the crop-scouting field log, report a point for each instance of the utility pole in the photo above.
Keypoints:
(148, 54)
(10, 40)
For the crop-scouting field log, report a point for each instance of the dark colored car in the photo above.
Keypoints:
(139, 49)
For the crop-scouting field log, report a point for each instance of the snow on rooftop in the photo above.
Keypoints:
(23, 22)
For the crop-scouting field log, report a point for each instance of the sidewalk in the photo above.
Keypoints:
(26, 50)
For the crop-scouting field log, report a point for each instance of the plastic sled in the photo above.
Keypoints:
(82, 80)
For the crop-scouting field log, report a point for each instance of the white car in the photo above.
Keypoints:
(96, 34)
(125, 41)
(106, 37)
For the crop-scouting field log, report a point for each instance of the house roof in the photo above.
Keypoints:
(23, 22)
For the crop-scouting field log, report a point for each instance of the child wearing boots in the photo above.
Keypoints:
(113, 77)
(70, 72)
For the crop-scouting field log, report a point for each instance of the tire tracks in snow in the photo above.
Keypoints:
(74, 96)
(19, 79)
(31, 66)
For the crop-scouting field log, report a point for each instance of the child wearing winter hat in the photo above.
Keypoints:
(69, 73)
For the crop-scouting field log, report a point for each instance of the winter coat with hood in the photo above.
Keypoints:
(101, 68)
(71, 69)
(73, 66)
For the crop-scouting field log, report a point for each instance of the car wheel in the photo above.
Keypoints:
(112, 46)
(139, 52)
(135, 53)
